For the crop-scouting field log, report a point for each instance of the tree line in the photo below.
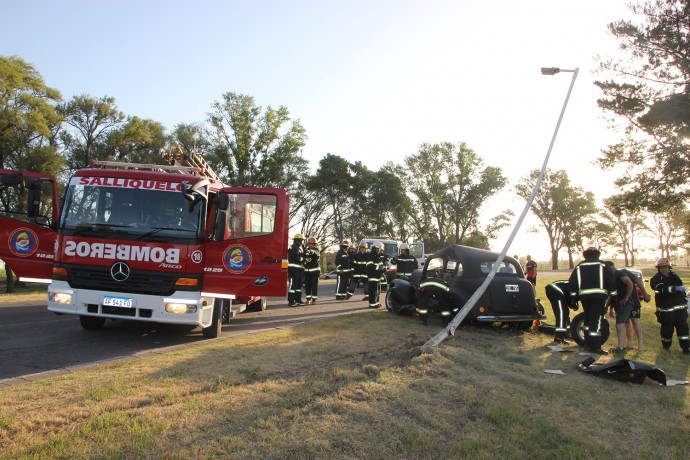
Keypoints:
(436, 194)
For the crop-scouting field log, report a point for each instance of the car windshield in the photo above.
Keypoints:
(101, 208)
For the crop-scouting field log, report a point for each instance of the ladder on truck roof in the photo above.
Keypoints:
(176, 157)
(178, 162)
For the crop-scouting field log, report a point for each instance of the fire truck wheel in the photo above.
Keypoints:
(259, 305)
(91, 323)
(215, 328)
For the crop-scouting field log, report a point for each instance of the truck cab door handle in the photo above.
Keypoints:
(268, 260)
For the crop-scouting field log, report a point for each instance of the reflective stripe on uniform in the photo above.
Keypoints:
(433, 283)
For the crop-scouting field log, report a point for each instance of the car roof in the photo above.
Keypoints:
(472, 258)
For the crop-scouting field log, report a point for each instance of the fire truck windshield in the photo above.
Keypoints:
(110, 211)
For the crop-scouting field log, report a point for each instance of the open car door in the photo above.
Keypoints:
(248, 254)
(29, 212)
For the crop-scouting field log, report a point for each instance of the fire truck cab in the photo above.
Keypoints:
(146, 242)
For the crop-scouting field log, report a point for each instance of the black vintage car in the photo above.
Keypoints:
(450, 277)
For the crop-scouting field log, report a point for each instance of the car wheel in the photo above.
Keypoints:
(577, 330)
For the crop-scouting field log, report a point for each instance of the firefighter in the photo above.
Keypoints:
(311, 271)
(359, 273)
(343, 268)
(295, 271)
(592, 283)
(558, 294)
(671, 305)
(406, 263)
(375, 270)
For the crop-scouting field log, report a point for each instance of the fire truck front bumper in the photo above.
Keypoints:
(180, 308)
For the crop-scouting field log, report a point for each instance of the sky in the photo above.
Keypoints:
(369, 80)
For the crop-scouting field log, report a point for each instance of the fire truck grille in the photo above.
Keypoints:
(139, 282)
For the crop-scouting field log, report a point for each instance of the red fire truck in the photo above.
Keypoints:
(164, 243)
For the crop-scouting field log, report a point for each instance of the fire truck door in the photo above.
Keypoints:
(28, 218)
(247, 255)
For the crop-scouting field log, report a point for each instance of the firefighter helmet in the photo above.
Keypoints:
(404, 246)
(377, 245)
(298, 236)
(311, 240)
(363, 245)
(663, 262)
(345, 243)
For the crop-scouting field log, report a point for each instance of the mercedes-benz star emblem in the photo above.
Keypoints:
(119, 271)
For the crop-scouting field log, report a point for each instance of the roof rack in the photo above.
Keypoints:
(178, 162)
(145, 166)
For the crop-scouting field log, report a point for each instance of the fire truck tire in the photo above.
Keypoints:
(215, 328)
(91, 323)
(259, 305)
(577, 331)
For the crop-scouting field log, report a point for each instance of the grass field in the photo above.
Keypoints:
(353, 388)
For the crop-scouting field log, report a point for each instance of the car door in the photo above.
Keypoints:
(248, 256)
(29, 213)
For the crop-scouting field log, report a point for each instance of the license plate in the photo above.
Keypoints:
(117, 302)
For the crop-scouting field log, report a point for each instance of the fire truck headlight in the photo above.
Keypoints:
(180, 308)
(60, 297)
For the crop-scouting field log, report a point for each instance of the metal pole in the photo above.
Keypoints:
(450, 329)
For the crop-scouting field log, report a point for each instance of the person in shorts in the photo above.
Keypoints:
(634, 326)
(623, 304)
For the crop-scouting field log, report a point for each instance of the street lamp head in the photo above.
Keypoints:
(555, 70)
(550, 70)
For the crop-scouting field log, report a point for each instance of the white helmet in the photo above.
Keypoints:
(377, 245)
(404, 246)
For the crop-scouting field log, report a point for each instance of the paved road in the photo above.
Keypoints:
(34, 341)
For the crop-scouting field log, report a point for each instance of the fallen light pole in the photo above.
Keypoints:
(449, 330)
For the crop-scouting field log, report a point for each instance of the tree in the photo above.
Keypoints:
(333, 183)
(136, 141)
(28, 120)
(91, 120)
(649, 96)
(668, 226)
(559, 206)
(251, 149)
(625, 219)
(451, 190)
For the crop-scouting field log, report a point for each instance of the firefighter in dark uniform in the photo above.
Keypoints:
(375, 271)
(295, 271)
(312, 270)
(343, 269)
(558, 294)
(671, 305)
(359, 274)
(405, 262)
(592, 283)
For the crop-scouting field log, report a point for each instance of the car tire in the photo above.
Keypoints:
(577, 332)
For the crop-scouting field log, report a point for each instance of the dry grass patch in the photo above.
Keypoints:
(348, 388)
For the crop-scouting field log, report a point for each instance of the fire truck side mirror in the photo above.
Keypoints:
(221, 224)
(195, 193)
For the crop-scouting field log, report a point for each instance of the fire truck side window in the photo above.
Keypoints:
(252, 215)
(14, 198)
